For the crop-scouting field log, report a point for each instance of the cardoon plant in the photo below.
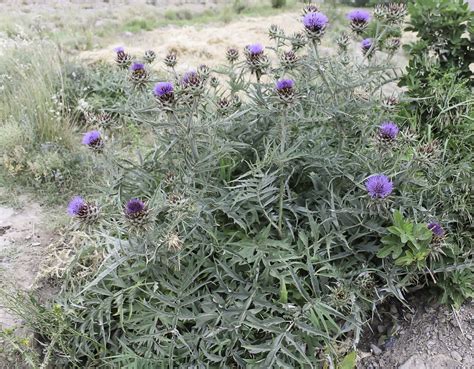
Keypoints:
(264, 251)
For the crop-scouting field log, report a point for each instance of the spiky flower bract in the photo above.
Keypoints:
(379, 186)
(122, 58)
(171, 59)
(257, 61)
(232, 54)
(149, 56)
(285, 89)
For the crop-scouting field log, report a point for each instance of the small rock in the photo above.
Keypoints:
(393, 309)
(456, 356)
(430, 343)
(375, 349)
(415, 362)
(469, 337)
(381, 328)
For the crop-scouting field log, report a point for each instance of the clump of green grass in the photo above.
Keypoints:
(32, 95)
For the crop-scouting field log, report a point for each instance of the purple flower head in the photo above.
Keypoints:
(163, 88)
(315, 21)
(388, 130)
(119, 49)
(134, 206)
(366, 44)
(379, 186)
(436, 228)
(358, 16)
(91, 138)
(136, 66)
(285, 84)
(190, 78)
(255, 49)
(76, 205)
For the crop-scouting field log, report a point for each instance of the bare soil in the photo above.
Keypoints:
(426, 336)
(24, 237)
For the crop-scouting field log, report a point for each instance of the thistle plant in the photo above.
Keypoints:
(264, 250)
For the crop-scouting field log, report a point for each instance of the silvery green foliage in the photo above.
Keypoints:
(263, 247)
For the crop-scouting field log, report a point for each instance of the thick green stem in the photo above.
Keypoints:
(318, 68)
(283, 123)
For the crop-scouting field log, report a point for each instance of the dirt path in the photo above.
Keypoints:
(23, 238)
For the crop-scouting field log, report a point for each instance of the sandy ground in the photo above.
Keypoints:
(23, 239)
(207, 44)
(196, 45)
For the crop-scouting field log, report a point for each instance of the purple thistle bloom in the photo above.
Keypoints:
(285, 84)
(134, 206)
(315, 21)
(437, 229)
(190, 78)
(358, 16)
(163, 88)
(379, 186)
(366, 44)
(388, 130)
(91, 138)
(75, 205)
(136, 66)
(119, 49)
(255, 49)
